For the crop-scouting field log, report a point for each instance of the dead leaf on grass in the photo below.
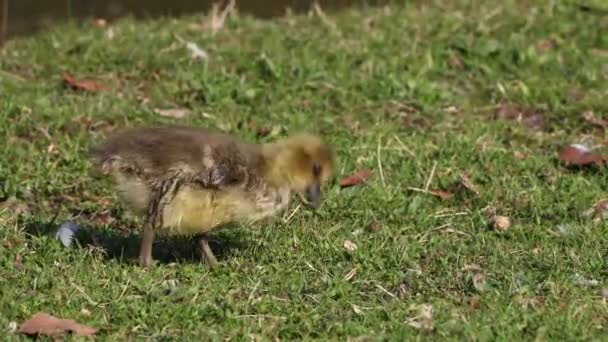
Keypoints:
(443, 194)
(479, 281)
(350, 246)
(424, 319)
(81, 85)
(599, 210)
(519, 155)
(176, 113)
(355, 179)
(350, 274)
(18, 262)
(44, 324)
(579, 155)
(590, 117)
(529, 117)
(473, 302)
(468, 184)
(501, 223)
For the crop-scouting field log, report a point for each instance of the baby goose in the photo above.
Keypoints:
(190, 181)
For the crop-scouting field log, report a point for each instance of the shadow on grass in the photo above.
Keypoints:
(124, 246)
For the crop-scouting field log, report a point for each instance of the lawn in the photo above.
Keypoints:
(469, 227)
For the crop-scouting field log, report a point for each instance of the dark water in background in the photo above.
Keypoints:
(28, 16)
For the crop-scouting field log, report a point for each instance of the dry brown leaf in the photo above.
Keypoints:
(501, 223)
(18, 262)
(473, 302)
(375, 227)
(527, 116)
(355, 179)
(176, 113)
(424, 319)
(590, 117)
(479, 281)
(44, 324)
(468, 184)
(443, 194)
(350, 246)
(82, 85)
(519, 155)
(579, 155)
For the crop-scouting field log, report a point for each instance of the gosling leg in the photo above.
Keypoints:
(206, 253)
(145, 250)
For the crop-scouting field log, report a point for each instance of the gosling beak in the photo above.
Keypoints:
(313, 195)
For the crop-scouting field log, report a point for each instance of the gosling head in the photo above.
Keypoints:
(303, 163)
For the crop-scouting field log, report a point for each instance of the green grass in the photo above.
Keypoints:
(428, 76)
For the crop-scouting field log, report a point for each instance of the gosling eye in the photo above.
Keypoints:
(316, 170)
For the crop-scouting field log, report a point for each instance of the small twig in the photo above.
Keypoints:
(428, 181)
(285, 220)
(386, 291)
(462, 213)
(380, 162)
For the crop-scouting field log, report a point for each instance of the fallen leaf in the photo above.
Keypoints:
(443, 194)
(529, 117)
(590, 117)
(176, 113)
(18, 262)
(519, 155)
(479, 281)
(82, 85)
(424, 319)
(599, 210)
(44, 324)
(468, 184)
(473, 302)
(375, 227)
(350, 246)
(579, 155)
(501, 223)
(355, 179)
